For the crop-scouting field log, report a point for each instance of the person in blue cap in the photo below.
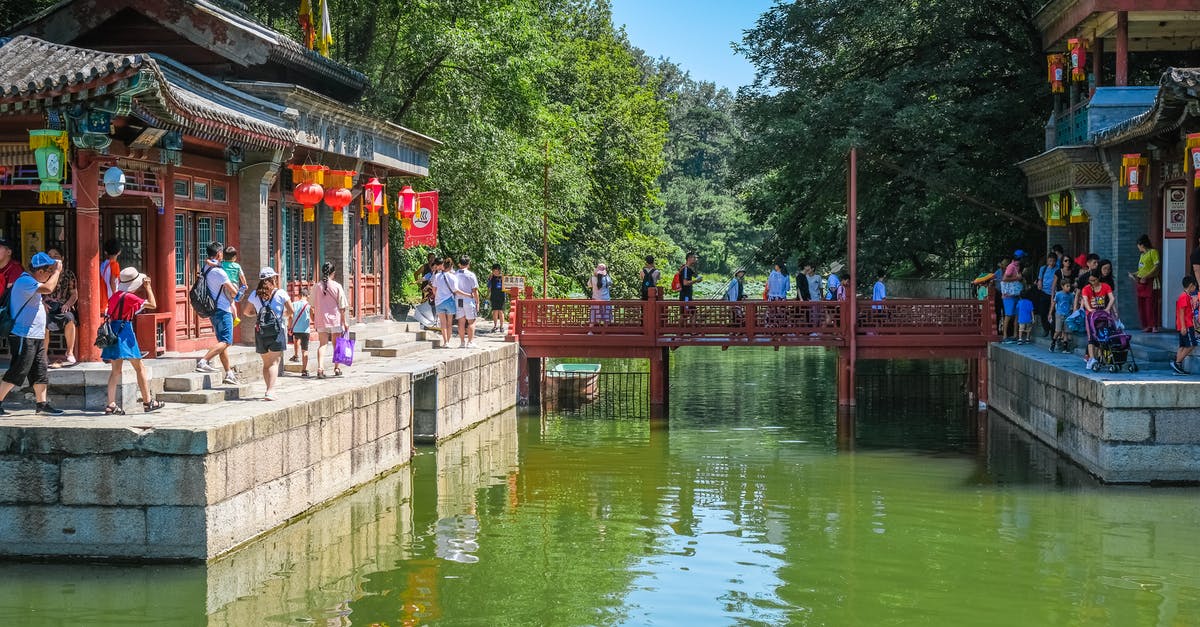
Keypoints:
(25, 342)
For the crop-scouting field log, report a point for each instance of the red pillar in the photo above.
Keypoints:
(851, 307)
(86, 181)
(162, 275)
(982, 381)
(660, 375)
(386, 262)
(1122, 48)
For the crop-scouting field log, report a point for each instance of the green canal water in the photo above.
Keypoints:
(741, 509)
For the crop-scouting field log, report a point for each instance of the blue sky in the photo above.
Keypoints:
(694, 33)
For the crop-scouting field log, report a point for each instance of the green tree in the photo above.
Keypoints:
(942, 97)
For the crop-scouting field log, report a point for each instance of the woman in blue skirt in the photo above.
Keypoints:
(122, 307)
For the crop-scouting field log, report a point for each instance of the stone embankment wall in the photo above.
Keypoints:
(204, 480)
(1122, 428)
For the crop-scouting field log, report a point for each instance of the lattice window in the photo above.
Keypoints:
(299, 245)
(219, 230)
(371, 247)
(180, 250)
(127, 227)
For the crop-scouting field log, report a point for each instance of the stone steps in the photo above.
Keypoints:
(208, 396)
(403, 349)
(390, 340)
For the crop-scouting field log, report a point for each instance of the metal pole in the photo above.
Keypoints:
(852, 261)
(545, 212)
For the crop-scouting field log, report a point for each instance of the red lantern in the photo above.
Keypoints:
(373, 198)
(308, 195)
(1077, 49)
(337, 199)
(408, 207)
(1056, 67)
(1191, 158)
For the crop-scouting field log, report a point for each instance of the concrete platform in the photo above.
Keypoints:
(191, 482)
(1122, 427)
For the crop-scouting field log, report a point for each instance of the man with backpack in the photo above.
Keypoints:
(650, 277)
(688, 277)
(27, 317)
(212, 297)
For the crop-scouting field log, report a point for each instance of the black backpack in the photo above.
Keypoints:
(202, 300)
(647, 282)
(268, 324)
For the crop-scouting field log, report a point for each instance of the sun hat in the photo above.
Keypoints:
(742, 270)
(601, 269)
(41, 260)
(130, 280)
(267, 273)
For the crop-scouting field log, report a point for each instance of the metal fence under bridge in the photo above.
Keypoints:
(596, 394)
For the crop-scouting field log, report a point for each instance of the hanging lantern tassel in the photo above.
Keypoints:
(1078, 53)
(1133, 173)
(362, 211)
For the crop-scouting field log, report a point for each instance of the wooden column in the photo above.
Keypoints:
(86, 182)
(162, 275)
(533, 366)
(385, 260)
(1122, 49)
(1097, 60)
(660, 376)
(850, 307)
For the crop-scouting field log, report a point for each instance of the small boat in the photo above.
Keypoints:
(573, 383)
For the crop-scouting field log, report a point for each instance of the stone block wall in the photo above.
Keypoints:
(475, 387)
(202, 487)
(1121, 430)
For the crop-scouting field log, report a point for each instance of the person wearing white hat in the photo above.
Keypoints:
(273, 317)
(601, 285)
(123, 305)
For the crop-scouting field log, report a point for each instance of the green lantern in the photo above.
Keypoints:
(50, 150)
(1055, 215)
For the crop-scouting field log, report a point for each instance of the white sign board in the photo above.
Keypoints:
(514, 281)
(1175, 205)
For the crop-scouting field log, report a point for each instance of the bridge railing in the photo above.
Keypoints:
(923, 317)
(638, 323)
(749, 322)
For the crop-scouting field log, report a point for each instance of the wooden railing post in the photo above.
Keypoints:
(650, 308)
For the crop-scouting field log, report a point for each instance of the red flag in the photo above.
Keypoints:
(425, 221)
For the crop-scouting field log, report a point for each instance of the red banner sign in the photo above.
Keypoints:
(424, 221)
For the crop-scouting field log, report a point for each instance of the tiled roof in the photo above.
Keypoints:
(193, 19)
(174, 96)
(31, 66)
(1178, 88)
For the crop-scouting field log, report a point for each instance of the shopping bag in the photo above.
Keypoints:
(343, 351)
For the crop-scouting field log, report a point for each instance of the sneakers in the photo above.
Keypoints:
(1053, 345)
(1178, 368)
(48, 409)
(472, 345)
(204, 366)
(269, 396)
(230, 379)
(1089, 363)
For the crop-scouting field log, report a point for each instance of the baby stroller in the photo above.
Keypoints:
(1113, 350)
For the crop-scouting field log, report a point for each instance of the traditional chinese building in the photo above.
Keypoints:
(1114, 165)
(210, 116)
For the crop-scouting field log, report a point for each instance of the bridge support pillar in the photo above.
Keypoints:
(845, 382)
(532, 381)
(981, 379)
(660, 377)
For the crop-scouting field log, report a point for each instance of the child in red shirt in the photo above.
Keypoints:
(1185, 323)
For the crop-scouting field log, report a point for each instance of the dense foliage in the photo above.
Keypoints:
(942, 97)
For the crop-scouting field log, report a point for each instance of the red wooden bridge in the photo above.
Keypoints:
(650, 329)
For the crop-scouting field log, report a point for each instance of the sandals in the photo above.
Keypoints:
(337, 372)
(304, 373)
(113, 409)
(321, 374)
(153, 405)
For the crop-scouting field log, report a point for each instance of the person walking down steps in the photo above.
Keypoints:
(268, 305)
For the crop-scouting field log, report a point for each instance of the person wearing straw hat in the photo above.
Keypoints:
(601, 286)
(123, 305)
(269, 305)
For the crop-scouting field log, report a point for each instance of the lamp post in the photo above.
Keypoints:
(545, 218)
